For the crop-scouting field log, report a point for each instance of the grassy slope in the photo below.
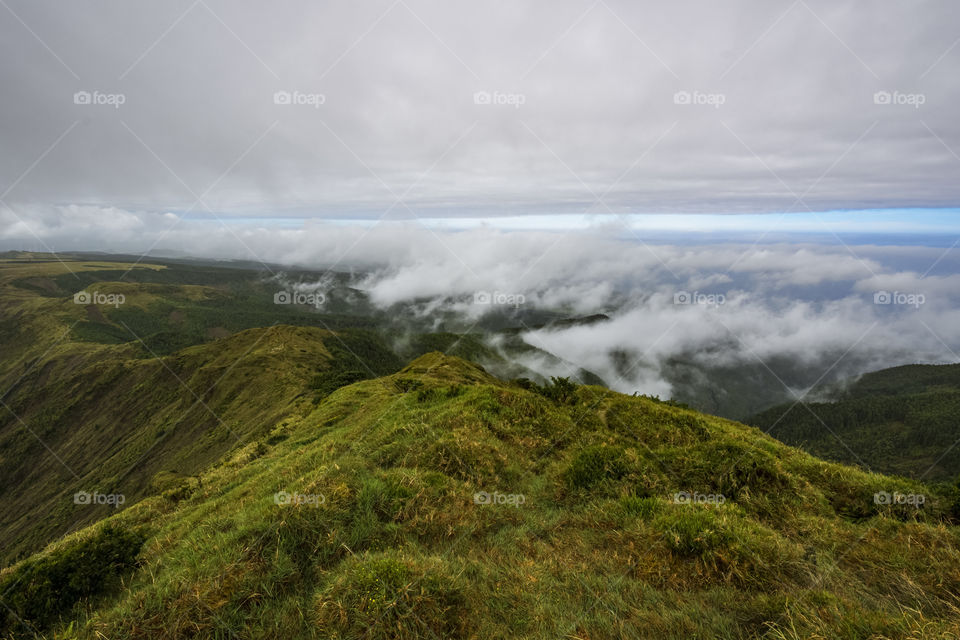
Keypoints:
(131, 399)
(904, 420)
(598, 549)
(81, 413)
(113, 426)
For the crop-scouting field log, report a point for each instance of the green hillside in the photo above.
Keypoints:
(114, 399)
(904, 421)
(131, 426)
(196, 361)
(440, 502)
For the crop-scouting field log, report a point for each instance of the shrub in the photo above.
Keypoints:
(560, 390)
(44, 588)
(326, 382)
(439, 393)
(525, 383)
(670, 402)
(406, 385)
(596, 464)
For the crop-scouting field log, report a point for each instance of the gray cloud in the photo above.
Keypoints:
(398, 121)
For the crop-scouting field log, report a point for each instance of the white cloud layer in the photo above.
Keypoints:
(829, 308)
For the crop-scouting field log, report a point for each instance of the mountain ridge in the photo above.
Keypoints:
(441, 501)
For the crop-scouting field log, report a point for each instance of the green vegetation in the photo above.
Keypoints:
(561, 390)
(595, 465)
(286, 476)
(442, 502)
(904, 421)
(355, 355)
(468, 347)
(43, 590)
(196, 362)
(112, 425)
(407, 597)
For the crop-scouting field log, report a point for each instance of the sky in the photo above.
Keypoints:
(402, 109)
(797, 158)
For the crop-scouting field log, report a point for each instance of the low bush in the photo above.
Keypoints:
(596, 464)
(45, 588)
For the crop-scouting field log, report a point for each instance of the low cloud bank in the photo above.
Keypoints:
(831, 309)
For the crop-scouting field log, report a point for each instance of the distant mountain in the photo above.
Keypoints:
(904, 420)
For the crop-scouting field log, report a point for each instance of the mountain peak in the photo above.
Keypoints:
(448, 369)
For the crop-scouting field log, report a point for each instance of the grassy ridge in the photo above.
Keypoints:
(135, 397)
(442, 502)
(133, 426)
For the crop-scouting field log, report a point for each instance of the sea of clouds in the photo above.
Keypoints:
(833, 308)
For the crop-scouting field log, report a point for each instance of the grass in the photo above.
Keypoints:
(115, 425)
(599, 546)
(408, 597)
(433, 501)
(42, 590)
(106, 399)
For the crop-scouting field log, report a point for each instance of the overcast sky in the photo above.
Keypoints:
(594, 108)
(452, 147)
